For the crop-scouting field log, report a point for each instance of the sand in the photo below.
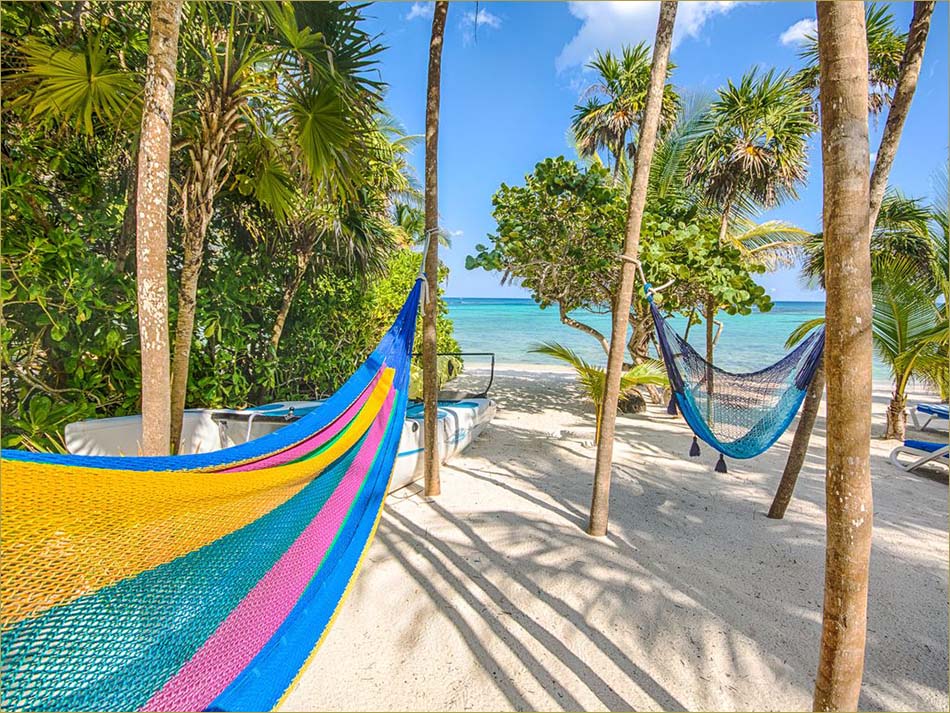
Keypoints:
(491, 597)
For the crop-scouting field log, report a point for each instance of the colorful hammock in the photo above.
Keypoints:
(199, 582)
(740, 415)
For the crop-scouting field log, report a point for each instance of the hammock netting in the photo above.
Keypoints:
(196, 582)
(740, 415)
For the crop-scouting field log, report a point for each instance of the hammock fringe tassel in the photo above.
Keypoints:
(694, 451)
(721, 465)
(671, 406)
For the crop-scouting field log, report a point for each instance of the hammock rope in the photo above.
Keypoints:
(741, 415)
(195, 582)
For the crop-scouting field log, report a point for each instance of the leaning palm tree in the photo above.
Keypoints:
(639, 186)
(610, 117)
(430, 386)
(593, 378)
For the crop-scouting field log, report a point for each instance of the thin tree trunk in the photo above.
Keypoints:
(207, 172)
(290, 292)
(710, 310)
(900, 105)
(843, 63)
(600, 501)
(896, 428)
(151, 223)
(799, 449)
(126, 238)
(430, 371)
(724, 222)
(586, 329)
(887, 150)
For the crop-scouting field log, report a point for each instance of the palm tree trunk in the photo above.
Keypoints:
(900, 105)
(290, 292)
(724, 222)
(430, 371)
(710, 348)
(151, 223)
(887, 150)
(896, 428)
(843, 64)
(799, 449)
(621, 308)
(206, 174)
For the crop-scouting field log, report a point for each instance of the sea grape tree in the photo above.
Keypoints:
(560, 234)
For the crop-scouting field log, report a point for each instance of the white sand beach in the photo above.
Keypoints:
(492, 597)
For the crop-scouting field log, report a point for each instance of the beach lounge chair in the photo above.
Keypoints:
(922, 452)
(923, 414)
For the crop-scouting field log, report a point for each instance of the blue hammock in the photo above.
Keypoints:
(740, 415)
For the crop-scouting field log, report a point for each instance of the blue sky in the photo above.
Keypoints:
(508, 93)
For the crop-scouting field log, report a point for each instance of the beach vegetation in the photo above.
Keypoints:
(593, 378)
(297, 282)
(612, 110)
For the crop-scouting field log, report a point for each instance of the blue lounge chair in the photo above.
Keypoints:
(928, 413)
(923, 452)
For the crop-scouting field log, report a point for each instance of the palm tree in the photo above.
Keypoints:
(843, 61)
(152, 221)
(312, 120)
(755, 146)
(593, 378)
(881, 58)
(613, 112)
(430, 386)
(754, 152)
(903, 230)
(907, 328)
(600, 502)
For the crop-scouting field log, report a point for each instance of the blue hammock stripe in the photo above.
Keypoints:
(741, 415)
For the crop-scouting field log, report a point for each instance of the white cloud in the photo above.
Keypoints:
(796, 34)
(456, 233)
(420, 9)
(471, 23)
(609, 25)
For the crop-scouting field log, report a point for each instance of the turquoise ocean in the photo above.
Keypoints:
(510, 327)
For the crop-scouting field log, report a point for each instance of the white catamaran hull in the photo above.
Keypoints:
(204, 430)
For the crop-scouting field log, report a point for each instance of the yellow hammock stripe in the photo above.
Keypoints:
(77, 530)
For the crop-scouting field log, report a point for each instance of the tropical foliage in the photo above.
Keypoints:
(593, 378)
(910, 287)
(286, 174)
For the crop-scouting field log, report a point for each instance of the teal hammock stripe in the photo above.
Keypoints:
(741, 415)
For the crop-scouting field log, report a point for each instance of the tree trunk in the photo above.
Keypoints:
(586, 329)
(206, 173)
(621, 308)
(710, 314)
(430, 370)
(290, 292)
(887, 149)
(896, 417)
(799, 449)
(843, 64)
(151, 222)
(724, 222)
(900, 105)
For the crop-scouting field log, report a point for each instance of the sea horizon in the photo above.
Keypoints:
(511, 326)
